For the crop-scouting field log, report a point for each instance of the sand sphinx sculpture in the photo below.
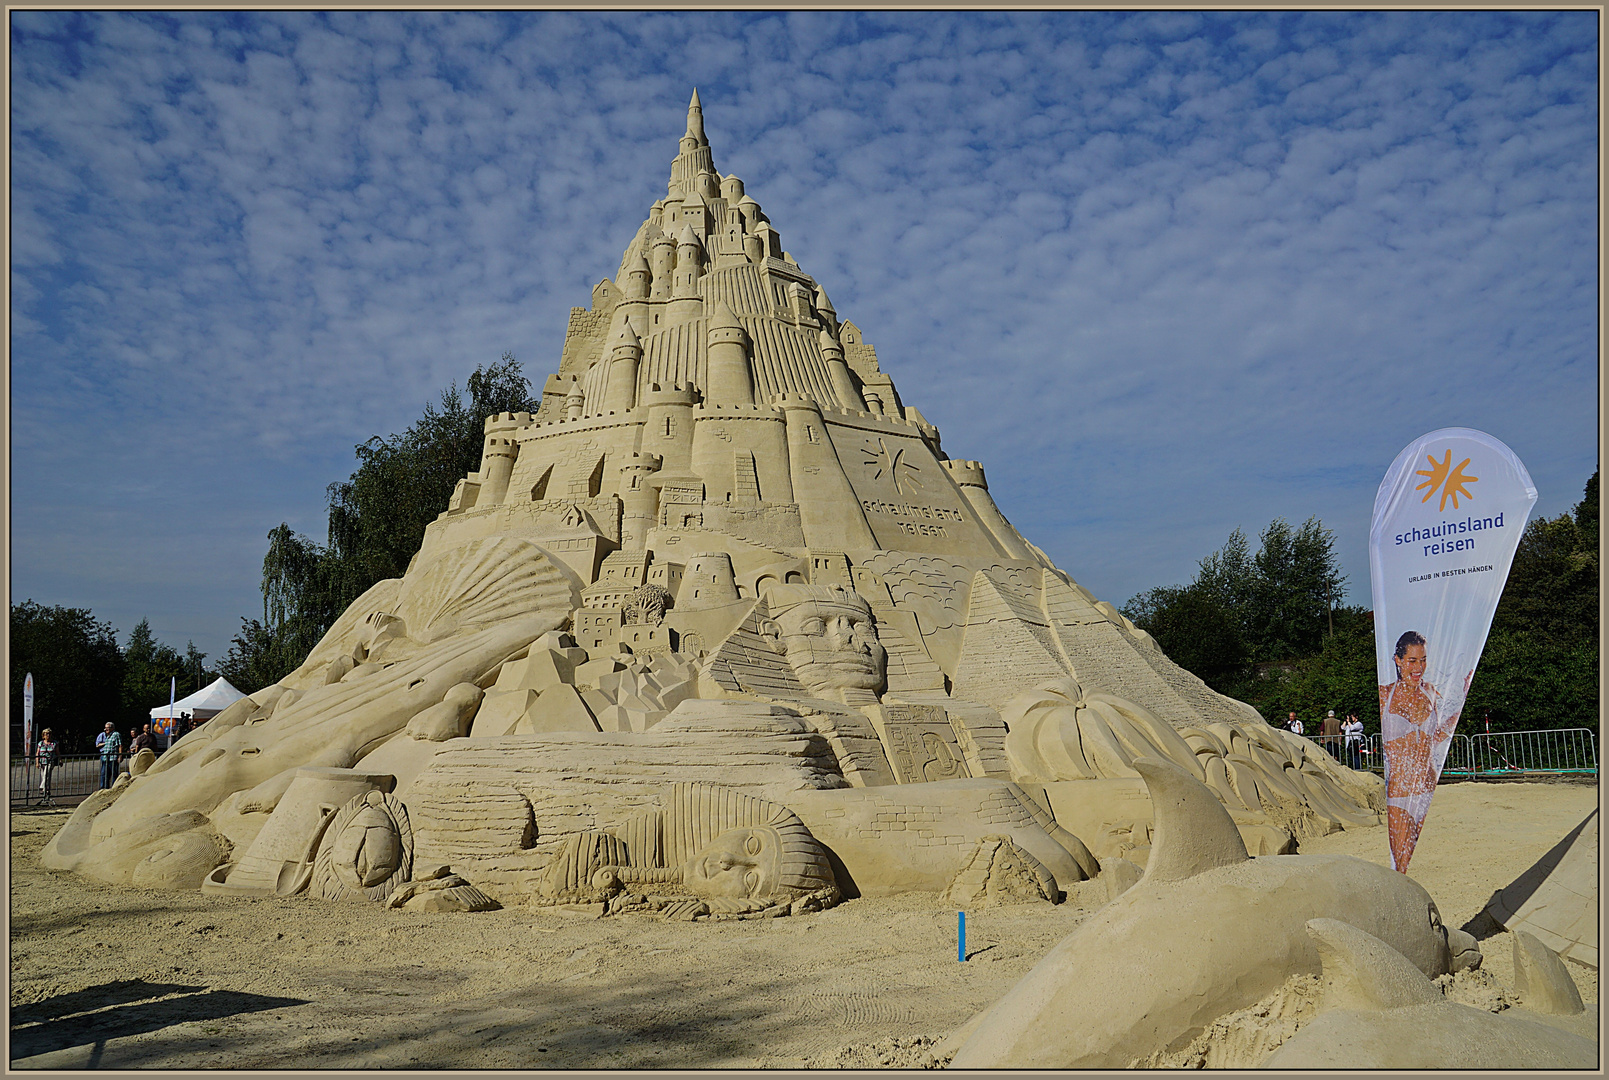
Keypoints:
(718, 631)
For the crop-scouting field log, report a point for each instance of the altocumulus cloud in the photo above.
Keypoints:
(1167, 273)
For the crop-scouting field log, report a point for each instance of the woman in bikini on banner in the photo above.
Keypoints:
(1417, 723)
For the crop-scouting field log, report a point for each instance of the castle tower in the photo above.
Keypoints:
(707, 582)
(624, 356)
(824, 311)
(829, 510)
(662, 267)
(668, 433)
(842, 383)
(498, 454)
(636, 289)
(685, 302)
(799, 303)
(575, 401)
(750, 210)
(729, 380)
(968, 476)
(639, 500)
(693, 156)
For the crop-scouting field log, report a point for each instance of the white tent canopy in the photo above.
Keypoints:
(204, 704)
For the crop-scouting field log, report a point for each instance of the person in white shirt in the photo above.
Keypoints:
(1352, 732)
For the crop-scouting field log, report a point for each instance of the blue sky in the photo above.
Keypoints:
(1164, 273)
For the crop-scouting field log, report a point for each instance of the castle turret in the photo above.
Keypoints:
(709, 185)
(750, 210)
(799, 303)
(707, 582)
(829, 511)
(668, 432)
(695, 121)
(575, 401)
(498, 454)
(770, 240)
(639, 500)
(968, 476)
(729, 380)
(824, 311)
(843, 384)
(625, 355)
(684, 299)
(638, 276)
(662, 266)
(693, 156)
(732, 190)
(636, 286)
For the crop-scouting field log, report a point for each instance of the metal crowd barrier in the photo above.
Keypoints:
(1553, 751)
(1547, 752)
(76, 776)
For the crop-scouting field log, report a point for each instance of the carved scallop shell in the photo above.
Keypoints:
(481, 582)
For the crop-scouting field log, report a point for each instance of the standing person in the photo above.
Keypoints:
(110, 744)
(1352, 731)
(1330, 734)
(143, 741)
(1293, 725)
(46, 755)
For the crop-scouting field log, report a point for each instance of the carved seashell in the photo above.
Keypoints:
(482, 582)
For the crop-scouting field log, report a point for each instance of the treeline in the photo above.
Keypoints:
(83, 678)
(1264, 627)
(377, 519)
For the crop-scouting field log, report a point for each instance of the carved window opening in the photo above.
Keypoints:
(539, 489)
(746, 479)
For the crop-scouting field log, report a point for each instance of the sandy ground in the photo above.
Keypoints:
(125, 978)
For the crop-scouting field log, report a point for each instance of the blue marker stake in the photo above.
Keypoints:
(961, 936)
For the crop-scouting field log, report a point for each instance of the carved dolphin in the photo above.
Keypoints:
(1206, 931)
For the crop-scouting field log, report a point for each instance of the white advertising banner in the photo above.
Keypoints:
(28, 715)
(1447, 519)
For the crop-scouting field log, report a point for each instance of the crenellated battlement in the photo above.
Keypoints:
(966, 472)
(505, 421)
(674, 394)
(645, 462)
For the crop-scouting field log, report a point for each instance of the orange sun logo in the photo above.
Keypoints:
(1452, 482)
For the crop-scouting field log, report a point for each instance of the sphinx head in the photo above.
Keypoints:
(828, 636)
(759, 862)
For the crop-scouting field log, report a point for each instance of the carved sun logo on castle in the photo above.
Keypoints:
(1452, 482)
(893, 463)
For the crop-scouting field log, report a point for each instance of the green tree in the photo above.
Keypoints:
(1294, 586)
(77, 669)
(377, 520)
(256, 658)
(1195, 628)
(1540, 666)
(151, 669)
(1245, 608)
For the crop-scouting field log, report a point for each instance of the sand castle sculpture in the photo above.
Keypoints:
(719, 630)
